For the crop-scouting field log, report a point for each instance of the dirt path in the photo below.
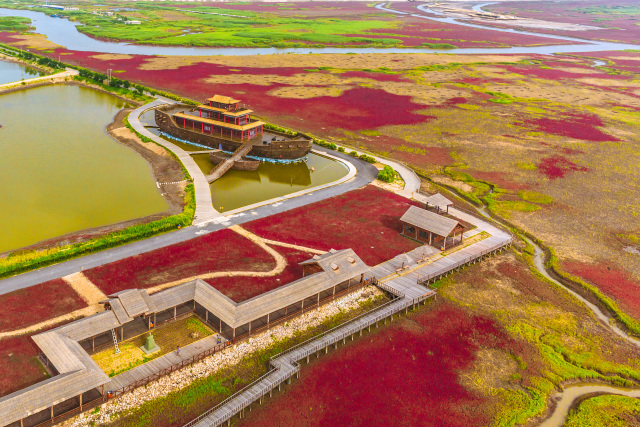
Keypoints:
(92, 295)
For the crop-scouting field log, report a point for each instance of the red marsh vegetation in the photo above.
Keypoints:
(35, 304)
(365, 220)
(223, 250)
(581, 126)
(241, 288)
(558, 167)
(608, 278)
(405, 374)
(19, 367)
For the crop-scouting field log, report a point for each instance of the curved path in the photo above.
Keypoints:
(204, 205)
(365, 173)
(69, 72)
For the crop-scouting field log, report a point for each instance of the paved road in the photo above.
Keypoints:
(204, 205)
(69, 72)
(366, 173)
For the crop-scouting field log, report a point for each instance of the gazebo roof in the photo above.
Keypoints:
(426, 220)
(223, 99)
(439, 200)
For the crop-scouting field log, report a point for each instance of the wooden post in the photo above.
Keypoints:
(80, 402)
(249, 328)
(334, 293)
(318, 301)
(93, 343)
(194, 305)
(430, 237)
(206, 315)
(52, 414)
(154, 320)
(302, 307)
(149, 323)
(220, 325)
(121, 333)
(234, 332)
(175, 310)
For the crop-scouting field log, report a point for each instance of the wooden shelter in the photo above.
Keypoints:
(432, 228)
(76, 374)
(439, 202)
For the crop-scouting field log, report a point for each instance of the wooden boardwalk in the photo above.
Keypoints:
(130, 378)
(407, 287)
(223, 167)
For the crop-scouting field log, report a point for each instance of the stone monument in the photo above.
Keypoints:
(150, 345)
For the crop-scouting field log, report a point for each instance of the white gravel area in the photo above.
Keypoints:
(227, 357)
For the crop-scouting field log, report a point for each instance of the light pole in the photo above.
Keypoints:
(109, 75)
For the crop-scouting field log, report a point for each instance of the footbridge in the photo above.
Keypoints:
(223, 167)
(406, 284)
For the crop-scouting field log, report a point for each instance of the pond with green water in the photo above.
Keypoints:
(236, 189)
(60, 171)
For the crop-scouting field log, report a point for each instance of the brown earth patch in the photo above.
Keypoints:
(112, 56)
(35, 41)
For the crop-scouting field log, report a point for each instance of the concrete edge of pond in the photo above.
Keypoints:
(350, 174)
(69, 72)
(205, 211)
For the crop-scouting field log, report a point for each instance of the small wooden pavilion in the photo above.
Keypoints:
(439, 203)
(431, 228)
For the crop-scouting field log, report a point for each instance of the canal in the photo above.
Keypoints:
(60, 171)
(12, 72)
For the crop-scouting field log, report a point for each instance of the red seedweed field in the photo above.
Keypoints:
(223, 250)
(572, 125)
(36, 304)
(620, 285)
(19, 367)
(243, 288)
(406, 374)
(366, 220)
(558, 167)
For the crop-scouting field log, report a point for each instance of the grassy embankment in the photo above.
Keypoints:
(22, 261)
(607, 410)
(212, 26)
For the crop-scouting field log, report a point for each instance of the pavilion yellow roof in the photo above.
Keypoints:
(248, 126)
(223, 99)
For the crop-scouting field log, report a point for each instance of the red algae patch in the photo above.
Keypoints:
(240, 288)
(222, 250)
(501, 179)
(19, 367)
(573, 125)
(406, 374)
(611, 281)
(366, 220)
(36, 304)
(557, 167)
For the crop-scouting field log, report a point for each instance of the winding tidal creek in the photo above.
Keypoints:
(60, 171)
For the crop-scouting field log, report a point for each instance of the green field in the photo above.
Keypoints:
(167, 24)
(14, 23)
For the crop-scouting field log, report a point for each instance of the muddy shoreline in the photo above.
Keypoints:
(165, 168)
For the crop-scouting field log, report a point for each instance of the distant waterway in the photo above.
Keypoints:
(59, 170)
(64, 32)
(11, 72)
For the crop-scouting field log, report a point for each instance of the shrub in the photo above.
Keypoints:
(387, 174)
(341, 149)
(367, 159)
(353, 153)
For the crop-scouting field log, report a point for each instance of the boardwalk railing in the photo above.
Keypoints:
(157, 375)
(285, 364)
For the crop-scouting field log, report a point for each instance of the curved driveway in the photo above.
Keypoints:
(366, 173)
(204, 205)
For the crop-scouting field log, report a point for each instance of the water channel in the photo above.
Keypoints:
(64, 32)
(12, 72)
(59, 170)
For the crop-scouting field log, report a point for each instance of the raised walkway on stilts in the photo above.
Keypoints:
(406, 284)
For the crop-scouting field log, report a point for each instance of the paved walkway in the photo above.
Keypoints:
(69, 72)
(204, 204)
(363, 175)
(405, 285)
